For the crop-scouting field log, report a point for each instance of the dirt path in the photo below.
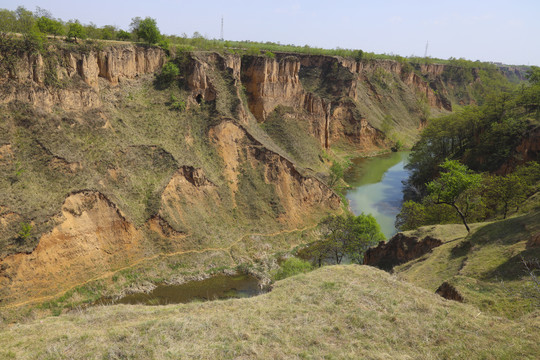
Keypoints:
(112, 272)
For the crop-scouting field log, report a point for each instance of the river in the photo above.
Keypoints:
(376, 187)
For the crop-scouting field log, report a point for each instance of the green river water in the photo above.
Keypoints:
(376, 187)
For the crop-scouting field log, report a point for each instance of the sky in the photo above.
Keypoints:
(498, 31)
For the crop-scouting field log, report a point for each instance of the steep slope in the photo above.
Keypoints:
(336, 311)
(236, 175)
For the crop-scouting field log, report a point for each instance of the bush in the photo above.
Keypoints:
(176, 104)
(24, 233)
(169, 72)
(292, 266)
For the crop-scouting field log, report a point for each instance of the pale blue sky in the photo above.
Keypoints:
(505, 31)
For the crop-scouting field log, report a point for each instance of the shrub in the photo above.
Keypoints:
(176, 104)
(25, 232)
(292, 266)
(169, 72)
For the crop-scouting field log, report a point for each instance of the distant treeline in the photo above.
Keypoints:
(35, 26)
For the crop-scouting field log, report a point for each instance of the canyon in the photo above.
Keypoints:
(111, 178)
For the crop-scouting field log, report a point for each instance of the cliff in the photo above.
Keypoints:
(26, 80)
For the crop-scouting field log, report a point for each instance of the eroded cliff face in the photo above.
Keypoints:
(339, 98)
(91, 238)
(28, 78)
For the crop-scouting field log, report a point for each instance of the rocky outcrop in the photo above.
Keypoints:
(91, 238)
(399, 249)
(449, 292)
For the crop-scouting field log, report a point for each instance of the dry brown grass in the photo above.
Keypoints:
(335, 312)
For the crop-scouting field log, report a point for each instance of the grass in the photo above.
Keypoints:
(334, 312)
(485, 266)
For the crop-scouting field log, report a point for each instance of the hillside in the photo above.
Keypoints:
(336, 311)
(488, 268)
(112, 179)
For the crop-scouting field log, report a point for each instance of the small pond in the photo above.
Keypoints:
(216, 287)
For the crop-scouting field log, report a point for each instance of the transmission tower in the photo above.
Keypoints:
(425, 53)
(222, 28)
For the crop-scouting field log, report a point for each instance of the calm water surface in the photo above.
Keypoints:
(216, 287)
(377, 188)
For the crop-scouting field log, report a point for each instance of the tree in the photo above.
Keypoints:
(50, 26)
(344, 236)
(8, 21)
(123, 35)
(452, 186)
(107, 32)
(146, 29)
(76, 30)
(507, 191)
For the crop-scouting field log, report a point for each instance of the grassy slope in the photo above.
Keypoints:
(485, 266)
(334, 312)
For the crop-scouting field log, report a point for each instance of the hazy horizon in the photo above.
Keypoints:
(474, 30)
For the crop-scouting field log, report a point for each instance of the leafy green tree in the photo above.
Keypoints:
(146, 29)
(411, 216)
(108, 32)
(123, 35)
(336, 173)
(76, 30)
(533, 75)
(344, 236)
(50, 26)
(25, 20)
(452, 186)
(8, 21)
(505, 191)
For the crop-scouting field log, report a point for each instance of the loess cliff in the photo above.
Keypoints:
(113, 178)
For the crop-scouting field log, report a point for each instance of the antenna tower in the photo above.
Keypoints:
(221, 27)
(425, 53)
